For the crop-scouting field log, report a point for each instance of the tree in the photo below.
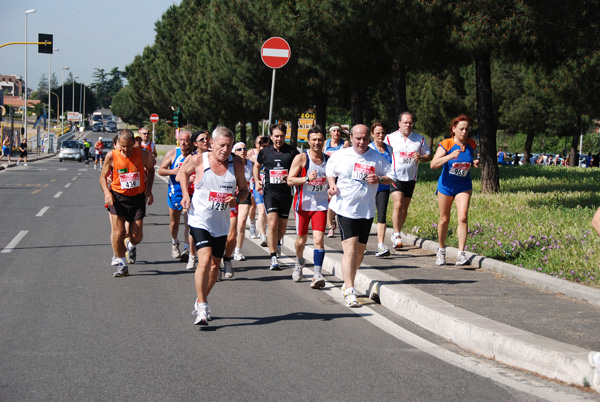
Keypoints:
(124, 107)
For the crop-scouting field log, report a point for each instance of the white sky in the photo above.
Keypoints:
(89, 33)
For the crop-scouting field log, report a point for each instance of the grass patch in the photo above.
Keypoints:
(540, 220)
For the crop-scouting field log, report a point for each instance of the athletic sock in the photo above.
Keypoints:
(396, 234)
(237, 250)
(186, 246)
(226, 258)
(273, 254)
(443, 250)
(130, 245)
(379, 244)
(318, 257)
(122, 260)
(175, 241)
(252, 223)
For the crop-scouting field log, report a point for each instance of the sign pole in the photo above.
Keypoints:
(272, 95)
(153, 140)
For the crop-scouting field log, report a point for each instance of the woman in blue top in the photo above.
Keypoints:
(455, 156)
(383, 191)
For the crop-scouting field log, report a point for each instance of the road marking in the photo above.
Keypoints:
(74, 178)
(58, 194)
(14, 242)
(62, 169)
(42, 211)
(78, 174)
(46, 185)
(83, 170)
(35, 191)
(68, 185)
(53, 180)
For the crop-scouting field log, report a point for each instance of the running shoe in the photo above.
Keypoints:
(297, 274)
(278, 250)
(461, 258)
(440, 258)
(382, 251)
(238, 256)
(263, 241)
(191, 264)
(274, 264)
(331, 232)
(343, 290)
(253, 233)
(123, 270)
(201, 315)
(318, 282)
(114, 261)
(594, 360)
(397, 241)
(130, 254)
(228, 269)
(220, 275)
(351, 300)
(175, 253)
(185, 255)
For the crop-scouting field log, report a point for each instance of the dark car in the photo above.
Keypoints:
(98, 127)
(108, 146)
(111, 127)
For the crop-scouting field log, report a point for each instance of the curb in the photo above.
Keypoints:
(478, 334)
(37, 158)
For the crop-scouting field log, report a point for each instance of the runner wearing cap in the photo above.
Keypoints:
(98, 157)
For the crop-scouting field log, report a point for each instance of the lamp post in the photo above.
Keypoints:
(73, 100)
(57, 114)
(83, 112)
(50, 87)
(62, 98)
(26, 82)
(80, 113)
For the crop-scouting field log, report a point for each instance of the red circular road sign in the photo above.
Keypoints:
(154, 118)
(275, 52)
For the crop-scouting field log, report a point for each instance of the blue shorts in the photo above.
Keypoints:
(258, 197)
(174, 201)
(454, 191)
(5, 151)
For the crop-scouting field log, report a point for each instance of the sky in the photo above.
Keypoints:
(89, 33)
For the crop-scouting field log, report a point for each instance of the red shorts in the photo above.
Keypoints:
(317, 220)
(233, 213)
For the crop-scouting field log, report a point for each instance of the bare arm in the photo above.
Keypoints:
(297, 163)
(256, 173)
(185, 170)
(164, 169)
(242, 186)
(149, 163)
(441, 157)
(106, 167)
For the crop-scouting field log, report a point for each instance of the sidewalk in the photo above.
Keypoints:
(494, 309)
(31, 157)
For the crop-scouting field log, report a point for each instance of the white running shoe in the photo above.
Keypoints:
(331, 232)
(461, 258)
(123, 270)
(114, 261)
(130, 252)
(318, 282)
(238, 256)
(343, 290)
(297, 274)
(351, 300)
(201, 315)
(263, 241)
(228, 269)
(274, 264)
(594, 360)
(382, 251)
(440, 258)
(185, 255)
(191, 264)
(253, 233)
(220, 275)
(175, 253)
(397, 241)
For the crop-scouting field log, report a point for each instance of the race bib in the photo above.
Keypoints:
(360, 171)
(317, 185)
(216, 201)
(129, 180)
(405, 158)
(460, 169)
(277, 176)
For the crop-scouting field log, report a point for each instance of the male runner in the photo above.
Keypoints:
(353, 175)
(22, 152)
(409, 149)
(98, 147)
(6, 148)
(277, 159)
(126, 197)
(218, 173)
(146, 143)
(310, 203)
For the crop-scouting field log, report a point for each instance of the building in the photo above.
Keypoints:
(11, 85)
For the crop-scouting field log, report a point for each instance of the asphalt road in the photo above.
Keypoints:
(70, 331)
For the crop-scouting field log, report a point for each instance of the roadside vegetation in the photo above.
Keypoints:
(540, 220)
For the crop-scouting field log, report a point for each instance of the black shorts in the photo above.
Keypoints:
(23, 154)
(98, 157)
(381, 201)
(202, 238)
(406, 187)
(350, 228)
(131, 208)
(248, 200)
(280, 203)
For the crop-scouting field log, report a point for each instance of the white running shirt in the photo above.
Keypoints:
(312, 196)
(209, 211)
(404, 165)
(356, 198)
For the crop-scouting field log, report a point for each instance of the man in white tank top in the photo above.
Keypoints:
(218, 174)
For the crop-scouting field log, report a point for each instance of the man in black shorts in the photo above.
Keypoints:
(277, 160)
(23, 152)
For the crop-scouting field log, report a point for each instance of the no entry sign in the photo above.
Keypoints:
(154, 118)
(275, 52)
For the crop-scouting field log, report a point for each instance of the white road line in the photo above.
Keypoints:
(62, 169)
(68, 185)
(58, 194)
(74, 178)
(82, 170)
(78, 174)
(15, 241)
(42, 211)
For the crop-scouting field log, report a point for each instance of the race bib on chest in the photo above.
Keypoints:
(460, 169)
(216, 201)
(277, 176)
(405, 158)
(360, 171)
(317, 185)
(129, 180)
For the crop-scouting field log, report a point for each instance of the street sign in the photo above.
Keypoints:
(48, 43)
(73, 116)
(154, 118)
(275, 52)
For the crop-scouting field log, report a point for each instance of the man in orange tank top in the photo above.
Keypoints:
(130, 189)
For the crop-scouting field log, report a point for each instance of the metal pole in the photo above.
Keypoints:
(80, 89)
(26, 82)
(153, 139)
(272, 94)
(83, 112)
(49, 89)
(62, 98)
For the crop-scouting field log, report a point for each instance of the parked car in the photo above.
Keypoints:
(71, 150)
(111, 127)
(98, 127)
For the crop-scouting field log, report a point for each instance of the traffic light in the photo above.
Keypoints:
(176, 117)
(45, 48)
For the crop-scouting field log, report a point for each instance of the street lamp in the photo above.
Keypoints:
(73, 100)
(83, 112)
(26, 82)
(62, 98)
(50, 88)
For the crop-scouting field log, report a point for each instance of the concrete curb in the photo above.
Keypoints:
(36, 158)
(481, 335)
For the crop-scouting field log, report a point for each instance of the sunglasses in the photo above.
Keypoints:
(240, 149)
(202, 139)
(143, 133)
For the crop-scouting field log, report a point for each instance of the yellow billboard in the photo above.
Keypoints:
(305, 122)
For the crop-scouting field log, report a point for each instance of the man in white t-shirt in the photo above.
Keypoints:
(409, 148)
(353, 175)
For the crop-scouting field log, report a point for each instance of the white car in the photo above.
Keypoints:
(71, 150)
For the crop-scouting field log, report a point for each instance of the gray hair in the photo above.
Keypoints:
(127, 135)
(185, 131)
(221, 131)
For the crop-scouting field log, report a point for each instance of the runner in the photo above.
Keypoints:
(146, 143)
(310, 203)
(127, 195)
(383, 191)
(456, 155)
(334, 143)
(258, 203)
(409, 148)
(353, 175)
(277, 160)
(6, 148)
(98, 157)
(170, 166)
(240, 150)
(23, 152)
(217, 175)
